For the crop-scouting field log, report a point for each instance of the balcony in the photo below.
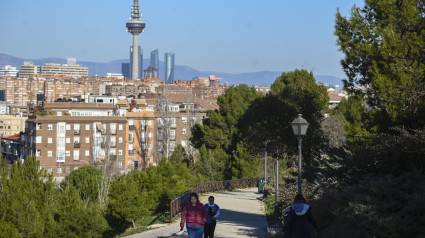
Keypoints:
(76, 144)
(131, 127)
(77, 132)
(131, 152)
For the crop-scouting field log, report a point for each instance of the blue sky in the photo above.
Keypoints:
(232, 36)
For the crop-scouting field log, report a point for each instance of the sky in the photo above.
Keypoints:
(230, 36)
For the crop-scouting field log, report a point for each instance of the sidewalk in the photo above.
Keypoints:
(242, 215)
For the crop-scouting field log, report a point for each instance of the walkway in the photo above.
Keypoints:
(242, 215)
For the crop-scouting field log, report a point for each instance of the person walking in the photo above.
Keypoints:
(300, 222)
(213, 211)
(195, 216)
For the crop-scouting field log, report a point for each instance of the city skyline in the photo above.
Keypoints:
(234, 37)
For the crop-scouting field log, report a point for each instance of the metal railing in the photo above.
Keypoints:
(177, 205)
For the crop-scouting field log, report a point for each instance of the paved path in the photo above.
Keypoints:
(242, 215)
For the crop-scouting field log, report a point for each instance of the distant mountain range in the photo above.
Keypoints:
(262, 78)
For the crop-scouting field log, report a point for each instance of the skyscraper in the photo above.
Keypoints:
(135, 26)
(169, 68)
(125, 70)
(155, 59)
(140, 63)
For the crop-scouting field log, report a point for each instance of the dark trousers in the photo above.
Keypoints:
(209, 229)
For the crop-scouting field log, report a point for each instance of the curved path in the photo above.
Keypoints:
(242, 215)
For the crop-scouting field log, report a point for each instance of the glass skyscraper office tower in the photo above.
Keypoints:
(169, 68)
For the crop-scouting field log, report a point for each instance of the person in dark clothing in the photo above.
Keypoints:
(213, 213)
(300, 222)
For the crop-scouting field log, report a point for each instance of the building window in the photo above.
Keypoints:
(149, 122)
(149, 146)
(49, 140)
(184, 120)
(87, 127)
(120, 139)
(38, 139)
(120, 127)
(120, 164)
(87, 140)
(172, 146)
(49, 153)
(59, 170)
(149, 158)
(59, 113)
(76, 155)
(38, 127)
(49, 127)
(130, 137)
(60, 157)
(149, 134)
(38, 153)
(68, 127)
(68, 169)
(68, 140)
(76, 167)
(184, 131)
(67, 153)
(184, 143)
(119, 152)
(49, 170)
(87, 153)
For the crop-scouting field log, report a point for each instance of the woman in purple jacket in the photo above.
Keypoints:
(195, 216)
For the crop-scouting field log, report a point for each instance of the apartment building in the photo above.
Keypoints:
(12, 124)
(28, 70)
(10, 147)
(69, 70)
(141, 135)
(8, 70)
(24, 91)
(209, 92)
(174, 122)
(65, 143)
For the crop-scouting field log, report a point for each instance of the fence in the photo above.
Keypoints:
(177, 205)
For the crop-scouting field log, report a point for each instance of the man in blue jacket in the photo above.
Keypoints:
(213, 211)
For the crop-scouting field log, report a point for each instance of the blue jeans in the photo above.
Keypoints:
(195, 231)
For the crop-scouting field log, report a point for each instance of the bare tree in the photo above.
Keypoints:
(191, 113)
(164, 124)
(142, 132)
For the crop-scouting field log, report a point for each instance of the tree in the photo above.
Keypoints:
(27, 197)
(220, 128)
(77, 218)
(384, 60)
(164, 124)
(266, 124)
(127, 202)
(87, 181)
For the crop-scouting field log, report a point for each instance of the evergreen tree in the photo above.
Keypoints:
(384, 60)
(27, 198)
(220, 131)
(87, 180)
(266, 125)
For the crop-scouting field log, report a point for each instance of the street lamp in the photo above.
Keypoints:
(299, 126)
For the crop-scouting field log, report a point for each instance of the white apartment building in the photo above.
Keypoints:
(8, 70)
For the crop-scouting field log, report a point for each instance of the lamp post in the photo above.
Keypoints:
(299, 126)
